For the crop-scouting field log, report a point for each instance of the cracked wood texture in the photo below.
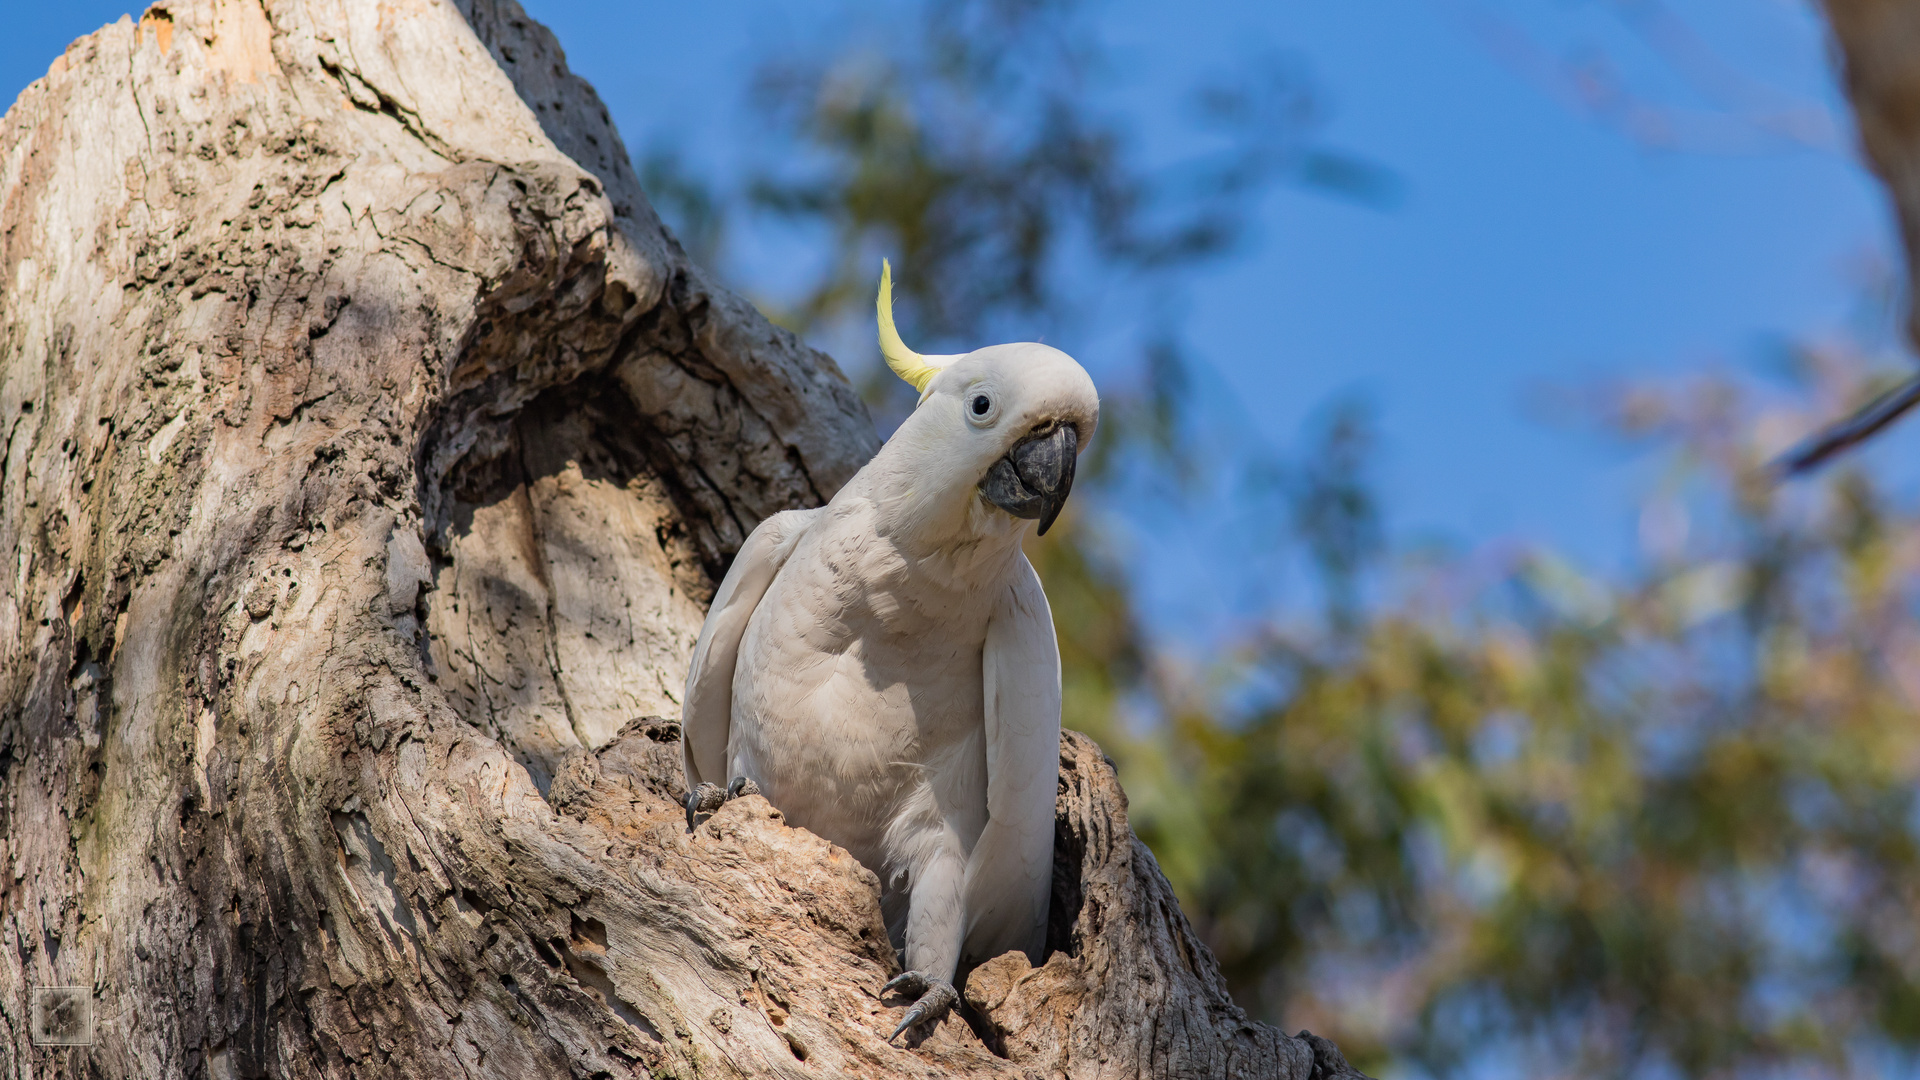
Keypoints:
(370, 453)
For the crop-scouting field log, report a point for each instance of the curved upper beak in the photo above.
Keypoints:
(1032, 480)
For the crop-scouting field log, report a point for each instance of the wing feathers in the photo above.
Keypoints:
(1010, 872)
(706, 710)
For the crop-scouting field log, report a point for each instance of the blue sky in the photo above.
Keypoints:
(1540, 241)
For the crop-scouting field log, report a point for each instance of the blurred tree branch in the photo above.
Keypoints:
(1878, 47)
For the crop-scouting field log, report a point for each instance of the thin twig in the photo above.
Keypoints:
(1855, 429)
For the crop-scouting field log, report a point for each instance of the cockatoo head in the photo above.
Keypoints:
(1003, 424)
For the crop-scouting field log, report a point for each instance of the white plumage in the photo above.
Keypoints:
(884, 667)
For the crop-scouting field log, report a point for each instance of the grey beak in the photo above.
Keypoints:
(1033, 479)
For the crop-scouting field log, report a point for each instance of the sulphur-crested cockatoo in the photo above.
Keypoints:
(884, 669)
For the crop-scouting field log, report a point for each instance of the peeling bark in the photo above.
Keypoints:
(370, 454)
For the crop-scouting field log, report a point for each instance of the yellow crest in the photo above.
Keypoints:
(906, 363)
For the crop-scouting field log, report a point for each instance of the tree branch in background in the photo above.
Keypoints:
(1878, 47)
(1868, 421)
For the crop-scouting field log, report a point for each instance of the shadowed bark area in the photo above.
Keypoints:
(370, 454)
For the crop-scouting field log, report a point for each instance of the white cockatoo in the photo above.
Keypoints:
(884, 668)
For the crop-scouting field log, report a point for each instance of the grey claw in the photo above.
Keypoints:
(937, 998)
(907, 982)
(704, 799)
(707, 798)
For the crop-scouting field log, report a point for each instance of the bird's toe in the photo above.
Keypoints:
(907, 982)
(937, 999)
(704, 799)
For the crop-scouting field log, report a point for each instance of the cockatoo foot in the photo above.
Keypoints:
(708, 798)
(704, 799)
(937, 998)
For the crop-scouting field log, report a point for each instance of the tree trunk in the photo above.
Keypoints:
(1878, 42)
(370, 454)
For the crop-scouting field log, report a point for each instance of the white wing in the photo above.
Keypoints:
(706, 710)
(1010, 872)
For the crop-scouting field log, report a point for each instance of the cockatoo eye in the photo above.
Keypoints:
(981, 409)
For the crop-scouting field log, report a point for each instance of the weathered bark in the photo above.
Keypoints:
(370, 453)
